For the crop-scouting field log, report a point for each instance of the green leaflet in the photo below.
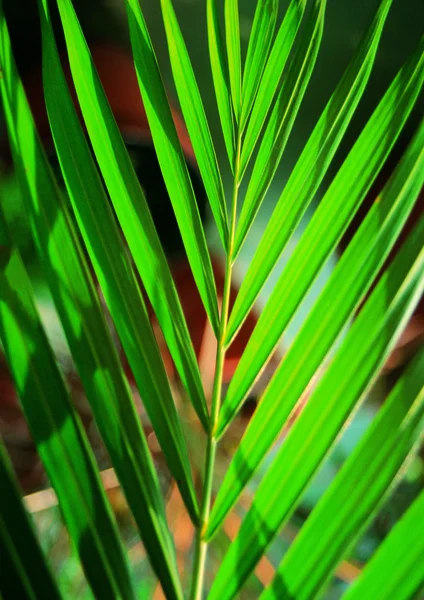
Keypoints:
(316, 158)
(341, 388)
(271, 77)
(24, 569)
(134, 466)
(282, 119)
(195, 118)
(348, 284)
(396, 570)
(58, 435)
(133, 212)
(336, 210)
(171, 159)
(341, 515)
(260, 40)
(232, 37)
(219, 67)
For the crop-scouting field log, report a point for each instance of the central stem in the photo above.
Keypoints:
(201, 543)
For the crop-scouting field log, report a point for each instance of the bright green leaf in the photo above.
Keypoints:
(351, 279)
(232, 37)
(195, 118)
(344, 384)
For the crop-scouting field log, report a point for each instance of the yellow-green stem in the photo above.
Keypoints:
(201, 544)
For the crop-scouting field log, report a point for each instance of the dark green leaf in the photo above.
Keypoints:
(24, 569)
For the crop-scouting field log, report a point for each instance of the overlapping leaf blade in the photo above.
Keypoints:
(325, 229)
(221, 81)
(350, 374)
(24, 569)
(232, 38)
(260, 41)
(396, 570)
(271, 78)
(58, 435)
(133, 213)
(135, 471)
(281, 121)
(195, 119)
(358, 490)
(348, 284)
(314, 162)
(171, 159)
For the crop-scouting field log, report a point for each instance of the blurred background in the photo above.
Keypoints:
(104, 24)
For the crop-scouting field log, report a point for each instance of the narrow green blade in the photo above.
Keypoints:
(195, 118)
(25, 572)
(396, 570)
(350, 281)
(358, 490)
(271, 78)
(232, 38)
(282, 119)
(335, 212)
(344, 384)
(58, 435)
(260, 41)
(171, 159)
(133, 213)
(219, 67)
(127, 308)
(320, 149)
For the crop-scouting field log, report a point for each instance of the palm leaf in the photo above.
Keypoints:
(271, 77)
(25, 572)
(195, 118)
(58, 434)
(350, 374)
(281, 121)
(221, 82)
(171, 159)
(348, 284)
(258, 49)
(396, 570)
(335, 212)
(315, 160)
(232, 37)
(357, 492)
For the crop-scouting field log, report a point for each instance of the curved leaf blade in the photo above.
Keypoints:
(133, 212)
(271, 78)
(396, 570)
(25, 572)
(58, 435)
(360, 487)
(314, 162)
(332, 217)
(281, 122)
(344, 384)
(136, 470)
(219, 67)
(349, 282)
(232, 38)
(260, 41)
(195, 119)
(171, 159)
